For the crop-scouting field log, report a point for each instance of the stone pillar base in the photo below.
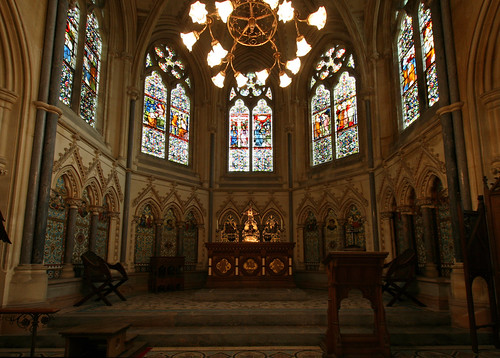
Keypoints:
(29, 285)
(434, 292)
(68, 271)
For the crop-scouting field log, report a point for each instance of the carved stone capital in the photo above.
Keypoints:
(48, 108)
(73, 203)
(406, 210)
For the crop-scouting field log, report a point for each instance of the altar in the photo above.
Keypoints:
(250, 264)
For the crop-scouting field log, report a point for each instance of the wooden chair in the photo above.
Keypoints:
(101, 278)
(399, 276)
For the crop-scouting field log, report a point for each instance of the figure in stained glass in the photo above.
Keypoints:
(428, 54)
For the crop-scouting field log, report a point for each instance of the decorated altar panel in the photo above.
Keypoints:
(249, 252)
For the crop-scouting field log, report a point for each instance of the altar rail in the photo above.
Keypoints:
(248, 264)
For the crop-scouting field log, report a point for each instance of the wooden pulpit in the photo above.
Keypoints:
(349, 270)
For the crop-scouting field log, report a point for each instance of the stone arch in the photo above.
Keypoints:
(425, 182)
(74, 184)
(94, 191)
(404, 192)
(113, 202)
(197, 213)
(176, 209)
(304, 213)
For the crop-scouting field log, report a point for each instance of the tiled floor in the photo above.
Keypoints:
(274, 352)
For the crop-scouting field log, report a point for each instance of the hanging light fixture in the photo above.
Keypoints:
(251, 23)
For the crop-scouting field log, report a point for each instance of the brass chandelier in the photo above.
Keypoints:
(251, 23)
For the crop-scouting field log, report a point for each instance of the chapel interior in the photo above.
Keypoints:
(116, 137)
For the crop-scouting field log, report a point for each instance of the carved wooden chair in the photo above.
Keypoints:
(101, 278)
(399, 276)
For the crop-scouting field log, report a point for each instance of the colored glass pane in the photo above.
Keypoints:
(269, 94)
(346, 116)
(408, 73)
(69, 56)
(428, 54)
(154, 118)
(321, 126)
(262, 148)
(91, 64)
(188, 81)
(180, 107)
(232, 94)
(149, 63)
(331, 61)
(239, 154)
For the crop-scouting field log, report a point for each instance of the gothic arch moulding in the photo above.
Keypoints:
(155, 208)
(71, 180)
(176, 209)
(425, 183)
(94, 191)
(197, 213)
(112, 200)
(304, 214)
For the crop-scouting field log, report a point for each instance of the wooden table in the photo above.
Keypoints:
(30, 318)
(350, 270)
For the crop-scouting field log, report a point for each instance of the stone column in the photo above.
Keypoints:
(113, 238)
(180, 238)
(133, 94)
(430, 240)
(158, 236)
(299, 249)
(490, 129)
(387, 231)
(68, 271)
(7, 100)
(202, 251)
(94, 220)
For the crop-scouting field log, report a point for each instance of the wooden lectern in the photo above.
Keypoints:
(349, 270)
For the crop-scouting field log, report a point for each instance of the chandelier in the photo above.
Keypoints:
(251, 23)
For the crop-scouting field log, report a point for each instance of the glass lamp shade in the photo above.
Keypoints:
(262, 75)
(198, 12)
(286, 11)
(285, 80)
(218, 80)
(272, 3)
(303, 47)
(224, 9)
(318, 18)
(190, 39)
(241, 80)
(293, 65)
(214, 57)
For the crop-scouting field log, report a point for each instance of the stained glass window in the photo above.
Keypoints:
(91, 68)
(239, 153)
(321, 126)
(346, 116)
(179, 126)
(163, 100)
(262, 148)
(428, 54)
(251, 138)
(408, 73)
(334, 135)
(84, 101)
(69, 57)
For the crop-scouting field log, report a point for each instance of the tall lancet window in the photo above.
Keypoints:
(166, 116)
(416, 54)
(334, 109)
(250, 127)
(82, 61)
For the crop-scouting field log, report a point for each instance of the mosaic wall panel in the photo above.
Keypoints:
(446, 245)
(401, 244)
(355, 229)
(101, 245)
(419, 238)
(82, 229)
(333, 233)
(311, 243)
(169, 235)
(144, 240)
(190, 240)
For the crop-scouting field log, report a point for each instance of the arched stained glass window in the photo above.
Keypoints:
(408, 73)
(70, 51)
(82, 50)
(239, 153)
(334, 136)
(346, 116)
(416, 53)
(251, 127)
(91, 69)
(428, 54)
(166, 95)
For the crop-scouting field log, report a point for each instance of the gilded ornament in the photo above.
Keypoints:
(223, 266)
(277, 266)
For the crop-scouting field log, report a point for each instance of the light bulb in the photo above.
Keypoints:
(218, 80)
(318, 18)
(214, 57)
(190, 39)
(286, 11)
(272, 3)
(294, 65)
(303, 47)
(285, 80)
(224, 8)
(240, 79)
(262, 75)
(198, 12)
